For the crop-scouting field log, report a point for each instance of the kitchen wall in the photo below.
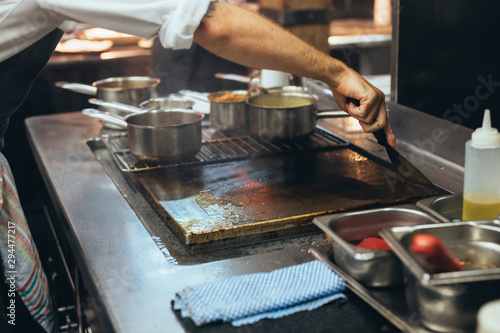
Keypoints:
(447, 59)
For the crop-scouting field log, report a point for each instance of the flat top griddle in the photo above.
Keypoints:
(270, 195)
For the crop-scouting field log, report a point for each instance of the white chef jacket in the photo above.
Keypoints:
(23, 22)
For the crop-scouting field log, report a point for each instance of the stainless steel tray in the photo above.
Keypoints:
(449, 301)
(447, 208)
(476, 241)
(370, 267)
(389, 302)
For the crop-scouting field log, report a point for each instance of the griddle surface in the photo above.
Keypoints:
(206, 203)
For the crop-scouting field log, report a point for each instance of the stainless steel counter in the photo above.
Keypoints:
(132, 278)
(123, 267)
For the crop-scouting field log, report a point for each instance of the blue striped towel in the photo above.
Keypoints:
(247, 299)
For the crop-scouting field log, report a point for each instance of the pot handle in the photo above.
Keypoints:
(233, 77)
(194, 94)
(116, 105)
(106, 117)
(337, 113)
(77, 87)
(332, 113)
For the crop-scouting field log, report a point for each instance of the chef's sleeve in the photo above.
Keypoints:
(173, 21)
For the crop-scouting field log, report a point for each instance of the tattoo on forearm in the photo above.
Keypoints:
(210, 10)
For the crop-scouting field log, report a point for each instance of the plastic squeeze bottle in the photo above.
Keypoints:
(482, 173)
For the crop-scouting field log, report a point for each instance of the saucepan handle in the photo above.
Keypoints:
(233, 77)
(331, 113)
(77, 87)
(116, 105)
(336, 113)
(106, 117)
(194, 94)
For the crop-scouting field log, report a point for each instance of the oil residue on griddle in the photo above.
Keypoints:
(222, 212)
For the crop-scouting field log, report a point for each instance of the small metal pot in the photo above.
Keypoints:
(130, 90)
(284, 116)
(173, 134)
(127, 109)
(229, 115)
(170, 101)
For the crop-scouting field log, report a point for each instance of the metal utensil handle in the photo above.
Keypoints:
(77, 87)
(116, 105)
(331, 113)
(194, 94)
(353, 101)
(106, 117)
(380, 134)
(381, 137)
(233, 77)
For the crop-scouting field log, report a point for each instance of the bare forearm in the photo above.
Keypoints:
(251, 40)
(246, 38)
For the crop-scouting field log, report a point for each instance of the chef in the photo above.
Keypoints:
(29, 32)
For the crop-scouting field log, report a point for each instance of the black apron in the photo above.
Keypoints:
(18, 73)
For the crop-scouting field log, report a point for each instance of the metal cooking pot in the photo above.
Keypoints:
(130, 90)
(229, 114)
(285, 116)
(170, 101)
(173, 134)
(127, 109)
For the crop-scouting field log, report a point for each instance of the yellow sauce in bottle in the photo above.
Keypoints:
(479, 206)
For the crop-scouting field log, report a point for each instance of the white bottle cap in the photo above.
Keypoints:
(488, 317)
(486, 136)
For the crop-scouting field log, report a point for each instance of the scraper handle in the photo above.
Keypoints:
(353, 101)
(381, 137)
(380, 134)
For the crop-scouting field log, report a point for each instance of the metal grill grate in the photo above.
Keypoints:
(219, 147)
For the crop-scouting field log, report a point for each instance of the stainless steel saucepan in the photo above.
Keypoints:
(285, 116)
(130, 90)
(160, 103)
(228, 110)
(126, 89)
(173, 134)
(170, 101)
